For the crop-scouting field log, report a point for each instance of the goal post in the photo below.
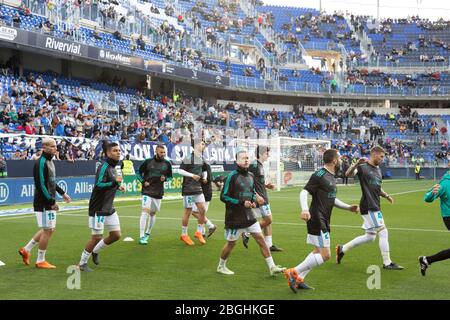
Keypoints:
(291, 160)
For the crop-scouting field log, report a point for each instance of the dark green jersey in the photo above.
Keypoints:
(151, 171)
(257, 169)
(192, 164)
(322, 187)
(207, 187)
(102, 197)
(238, 188)
(45, 183)
(370, 179)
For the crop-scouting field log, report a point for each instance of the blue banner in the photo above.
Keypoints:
(14, 191)
(214, 154)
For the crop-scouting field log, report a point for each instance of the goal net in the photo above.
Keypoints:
(291, 160)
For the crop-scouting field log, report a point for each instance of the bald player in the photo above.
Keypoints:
(44, 204)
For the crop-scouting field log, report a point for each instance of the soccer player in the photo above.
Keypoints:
(240, 197)
(370, 180)
(263, 211)
(207, 192)
(101, 207)
(152, 174)
(192, 171)
(44, 204)
(441, 191)
(322, 187)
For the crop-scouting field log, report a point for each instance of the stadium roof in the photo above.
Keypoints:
(431, 9)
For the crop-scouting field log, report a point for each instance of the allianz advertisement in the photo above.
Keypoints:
(14, 191)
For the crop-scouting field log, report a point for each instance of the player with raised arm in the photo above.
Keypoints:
(322, 187)
(370, 179)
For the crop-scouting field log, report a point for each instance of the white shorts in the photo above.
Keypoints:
(263, 211)
(46, 219)
(194, 207)
(234, 234)
(373, 221)
(154, 205)
(321, 241)
(98, 223)
(188, 201)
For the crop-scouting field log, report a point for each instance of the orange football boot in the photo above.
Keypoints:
(25, 256)
(187, 240)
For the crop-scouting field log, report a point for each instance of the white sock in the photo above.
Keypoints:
(184, 230)
(270, 262)
(209, 224)
(384, 246)
(41, 256)
(142, 223)
(311, 261)
(151, 224)
(84, 257)
(30, 245)
(222, 262)
(268, 240)
(368, 237)
(200, 228)
(101, 245)
(304, 273)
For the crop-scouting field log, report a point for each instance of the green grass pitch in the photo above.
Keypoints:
(168, 269)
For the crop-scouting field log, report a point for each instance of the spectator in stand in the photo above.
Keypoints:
(29, 127)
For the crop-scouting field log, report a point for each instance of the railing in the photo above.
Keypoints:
(296, 87)
(254, 83)
(66, 15)
(381, 63)
(326, 46)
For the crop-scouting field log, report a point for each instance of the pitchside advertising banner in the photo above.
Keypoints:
(67, 47)
(21, 190)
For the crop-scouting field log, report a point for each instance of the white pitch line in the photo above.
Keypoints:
(392, 194)
(278, 223)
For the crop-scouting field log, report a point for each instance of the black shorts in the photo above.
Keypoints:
(447, 222)
(315, 225)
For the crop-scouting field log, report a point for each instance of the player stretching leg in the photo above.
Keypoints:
(322, 187)
(370, 179)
